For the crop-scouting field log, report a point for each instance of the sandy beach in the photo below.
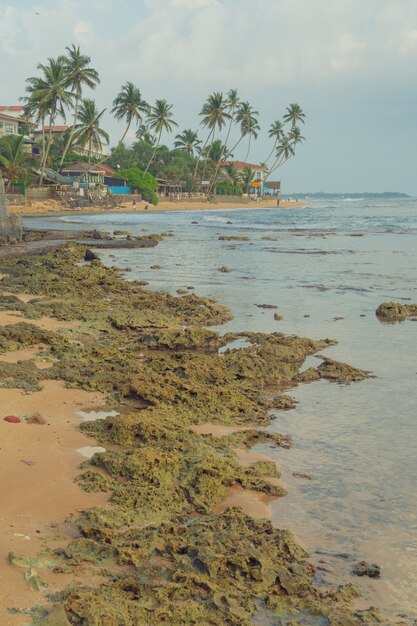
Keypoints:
(55, 207)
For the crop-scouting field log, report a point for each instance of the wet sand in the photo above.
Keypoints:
(45, 323)
(37, 471)
(38, 465)
(254, 503)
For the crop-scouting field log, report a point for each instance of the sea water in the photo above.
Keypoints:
(327, 267)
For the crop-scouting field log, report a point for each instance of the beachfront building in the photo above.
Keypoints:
(272, 187)
(167, 188)
(59, 131)
(96, 175)
(9, 125)
(14, 122)
(260, 171)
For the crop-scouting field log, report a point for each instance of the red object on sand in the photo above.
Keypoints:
(12, 419)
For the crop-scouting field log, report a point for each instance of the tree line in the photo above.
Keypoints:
(57, 92)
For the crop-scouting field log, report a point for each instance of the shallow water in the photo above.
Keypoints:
(359, 442)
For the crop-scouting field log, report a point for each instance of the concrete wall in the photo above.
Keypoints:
(10, 226)
(3, 202)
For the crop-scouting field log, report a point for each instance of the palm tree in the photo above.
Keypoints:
(232, 102)
(51, 92)
(246, 177)
(187, 140)
(275, 131)
(12, 157)
(79, 75)
(217, 154)
(34, 107)
(87, 131)
(251, 130)
(214, 115)
(128, 105)
(143, 134)
(294, 114)
(233, 173)
(246, 116)
(295, 135)
(160, 118)
(285, 150)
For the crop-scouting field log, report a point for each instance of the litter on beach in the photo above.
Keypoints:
(12, 419)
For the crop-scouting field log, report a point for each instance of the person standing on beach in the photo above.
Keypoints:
(134, 204)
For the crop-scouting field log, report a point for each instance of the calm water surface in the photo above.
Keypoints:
(359, 442)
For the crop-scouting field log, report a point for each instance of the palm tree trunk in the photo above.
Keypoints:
(67, 145)
(43, 143)
(118, 145)
(88, 171)
(236, 144)
(247, 154)
(48, 147)
(208, 154)
(154, 152)
(275, 166)
(198, 159)
(272, 151)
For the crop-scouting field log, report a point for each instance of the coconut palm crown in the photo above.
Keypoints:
(79, 74)
(129, 106)
(187, 140)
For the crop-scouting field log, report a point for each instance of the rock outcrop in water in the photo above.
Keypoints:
(396, 312)
(161, 554)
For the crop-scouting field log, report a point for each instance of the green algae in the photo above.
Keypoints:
(149, 350)
(21, 375)
(232, 238)
(35, 581)
(337, 371)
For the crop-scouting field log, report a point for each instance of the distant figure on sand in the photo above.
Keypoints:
(146, 206)
(277, 201)
(134, 204)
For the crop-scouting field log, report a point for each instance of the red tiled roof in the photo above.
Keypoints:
(240, 165)
(109, 170)
(11, 108)
(57, 129)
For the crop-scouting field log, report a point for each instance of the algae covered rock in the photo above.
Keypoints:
(395, 311)
(337, 371)
(170, 560)
(208, 571)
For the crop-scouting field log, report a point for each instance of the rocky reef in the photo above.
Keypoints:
(162, 555)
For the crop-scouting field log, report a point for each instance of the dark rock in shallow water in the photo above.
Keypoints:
(366, 569)
(90, 255)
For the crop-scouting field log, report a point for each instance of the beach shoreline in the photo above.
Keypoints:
(56, 208)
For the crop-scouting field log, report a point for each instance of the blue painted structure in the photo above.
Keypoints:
(120, 189)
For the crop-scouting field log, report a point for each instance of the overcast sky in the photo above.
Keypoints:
(350, 64)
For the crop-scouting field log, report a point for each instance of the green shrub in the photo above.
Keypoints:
(146, 184)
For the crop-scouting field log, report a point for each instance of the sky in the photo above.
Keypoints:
(350, 64)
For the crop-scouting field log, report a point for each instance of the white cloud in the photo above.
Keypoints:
(408, 45)
(83, 33)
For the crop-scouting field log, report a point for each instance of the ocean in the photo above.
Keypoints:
(327, 267)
